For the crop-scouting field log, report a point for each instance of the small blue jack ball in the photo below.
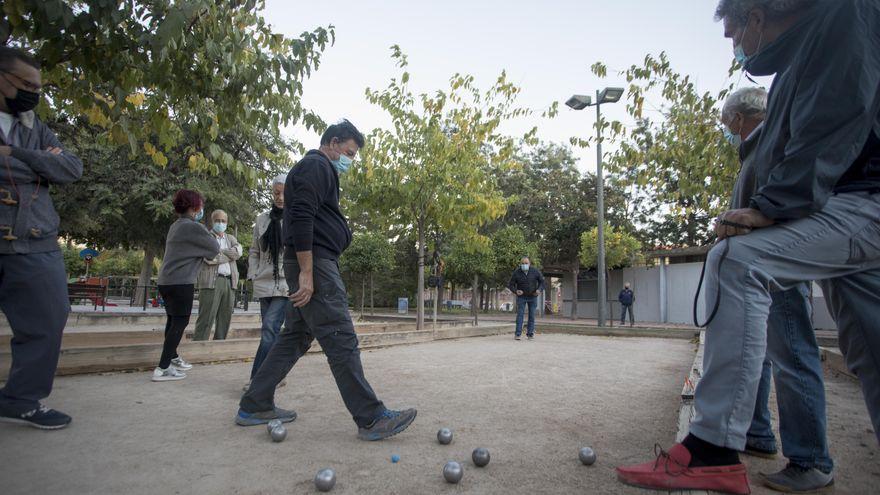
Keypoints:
(395, 458)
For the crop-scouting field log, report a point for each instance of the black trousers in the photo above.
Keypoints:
(178, 307)
(325, 318)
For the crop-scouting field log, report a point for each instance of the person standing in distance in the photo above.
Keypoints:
(626, 298)
(315, 235)
(526, 282)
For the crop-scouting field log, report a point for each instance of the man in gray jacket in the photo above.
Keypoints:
(815, 215)
(265, 269)
(218, 279)
(33, 280)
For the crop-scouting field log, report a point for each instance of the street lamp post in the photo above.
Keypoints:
(579, 102)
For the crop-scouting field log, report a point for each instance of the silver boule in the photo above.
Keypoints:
(325, 480)
(480, 457)
(453, 472)
(444, 436)
(278, 433)
(587, 456)
(275, 423)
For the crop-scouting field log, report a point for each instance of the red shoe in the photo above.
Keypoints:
(670, 471)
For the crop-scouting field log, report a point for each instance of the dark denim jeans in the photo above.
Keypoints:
(326, 319)
(624, 309)
(272, 312)
(800, 389)
(521, 302)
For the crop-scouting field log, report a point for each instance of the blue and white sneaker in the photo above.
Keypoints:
(388, 424)
(244, 418)
(41, 417)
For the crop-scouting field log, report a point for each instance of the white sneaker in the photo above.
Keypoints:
(168, 374)
(180, 364)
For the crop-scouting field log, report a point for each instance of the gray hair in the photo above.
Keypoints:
(738, 10)
(751, 102)
(279, 179)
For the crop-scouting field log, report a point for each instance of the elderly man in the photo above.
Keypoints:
(792, 351)
(33, 281)
(217, 281)
(315, 235)
(815, 215)
(526, 282)
(266, 271)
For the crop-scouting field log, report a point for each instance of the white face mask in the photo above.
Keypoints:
(524, 267)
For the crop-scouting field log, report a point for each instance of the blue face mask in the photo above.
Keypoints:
(219, 227)
(732, 138)
(342, 164)
(740, 55)
(199, 216)
(524, 267)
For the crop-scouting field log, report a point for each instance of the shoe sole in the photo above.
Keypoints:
(400, 428)
(670, 490)
(167, 378)
(257, 421)
(16, 421)
(785, 489)
(180, 368)
(761, 454)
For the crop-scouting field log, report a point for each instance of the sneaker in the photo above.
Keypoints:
(798, 479)
(390, 423)
(531, 337)
(180, 364)
(167, 375)
(670, 471)
(517, 337)
(42, 417)
(260, 418)
(755, 449)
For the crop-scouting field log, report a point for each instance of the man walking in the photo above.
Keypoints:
(217, 282)
(266, 271)
(814, 216)
(33, 280)
(526, 282)
(315, 235)
(626, 298)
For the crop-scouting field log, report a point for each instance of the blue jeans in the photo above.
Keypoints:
(521, 302)
(800, 391)
(272, 312)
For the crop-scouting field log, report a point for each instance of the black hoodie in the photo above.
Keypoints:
(312, 220)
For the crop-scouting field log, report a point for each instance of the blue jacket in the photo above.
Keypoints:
(626, 297)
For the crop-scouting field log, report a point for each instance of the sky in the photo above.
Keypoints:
(546, 47)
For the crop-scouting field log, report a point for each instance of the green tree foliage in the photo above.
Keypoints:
(509, 245)
(368, 254)
(621, 249)
(195, 82)
(436, 168)
(679, 166)
(468, 263)
(114, 263)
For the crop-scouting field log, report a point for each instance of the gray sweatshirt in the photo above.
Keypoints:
(188, 243)
(28, 221)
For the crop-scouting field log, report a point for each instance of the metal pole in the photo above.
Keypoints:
(600, 205)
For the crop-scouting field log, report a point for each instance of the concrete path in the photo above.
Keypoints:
(531, 403)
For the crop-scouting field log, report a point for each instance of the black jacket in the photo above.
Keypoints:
(823, 114)
(312, 220)
(626, 297)
(530, 283)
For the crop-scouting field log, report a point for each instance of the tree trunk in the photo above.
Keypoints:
(363, 295)
(482, 298)
(420, 295)
(372, 291)
(474, 299)
(140, 292)
(440, 292)
(574, 287)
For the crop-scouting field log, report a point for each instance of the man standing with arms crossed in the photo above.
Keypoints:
(315, 235)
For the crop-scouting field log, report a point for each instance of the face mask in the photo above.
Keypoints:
(524, 267)
(199, 215)
(24, 101)
(342, 164)
(219, 227)
(740, 55)
(732, 138)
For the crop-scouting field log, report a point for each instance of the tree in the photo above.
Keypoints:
(436, 169)
(169, 79)
(681, 164)
(509, 245)
(621, 248)
(367, 254)
(468, 262)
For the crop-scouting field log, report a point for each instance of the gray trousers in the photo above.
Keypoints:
(325, 318)
(215, 305)
(838, 246)
(33, 296)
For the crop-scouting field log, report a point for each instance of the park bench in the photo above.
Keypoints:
(94, 292)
